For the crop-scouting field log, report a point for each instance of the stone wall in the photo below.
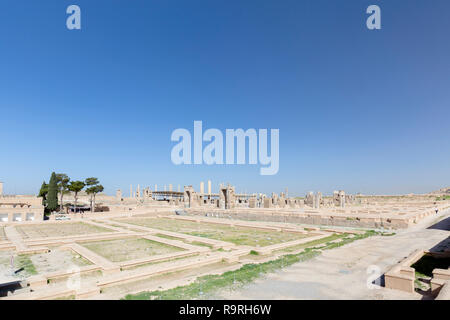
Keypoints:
(21, 208)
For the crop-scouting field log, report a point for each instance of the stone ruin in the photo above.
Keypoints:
(309, 199)
(339, 198)
(191, 198)
(148, 195)
(227, 197)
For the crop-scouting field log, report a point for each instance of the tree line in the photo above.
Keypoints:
(61, 184)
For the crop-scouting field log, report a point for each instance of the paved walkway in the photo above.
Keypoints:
(342, 273)
(14, 236)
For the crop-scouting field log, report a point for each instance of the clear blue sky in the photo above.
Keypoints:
(359, 110)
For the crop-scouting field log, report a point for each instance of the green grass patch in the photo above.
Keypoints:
(209, 284)
(24, 261)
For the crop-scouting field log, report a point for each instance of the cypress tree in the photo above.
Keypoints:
(43, 192)
(52, 195)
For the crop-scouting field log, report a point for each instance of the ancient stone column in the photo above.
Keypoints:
(252, 202)
(309, 199)
(268, 203)
(317, 200)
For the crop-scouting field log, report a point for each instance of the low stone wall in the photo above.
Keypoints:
(25, 214)
(401, 276)
(312, 217)
(441, 278)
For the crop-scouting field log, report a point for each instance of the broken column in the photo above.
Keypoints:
(190, 197)
(342, 198)
(148, 194)
(268, 203)
(227, 197)
(252, 202)
(309, 199)
(274, 199)
(339, 198)
(317, 200)
(281, 201)
(138, 192)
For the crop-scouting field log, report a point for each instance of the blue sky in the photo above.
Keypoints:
(358, 110)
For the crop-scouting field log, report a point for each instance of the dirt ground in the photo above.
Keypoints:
(55, 260)
(236, 235)
(58, 230)
(128, 249)
(6, 271)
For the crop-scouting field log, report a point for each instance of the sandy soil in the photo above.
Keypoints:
(128, 249)
(55, 260)
(58, 230)
(6, 272)
(236, 235)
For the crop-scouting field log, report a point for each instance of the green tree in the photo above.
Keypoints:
(91, 183)
(75, 187)
(52, 194)
(43, 192)
(93, 192)
(63, 187)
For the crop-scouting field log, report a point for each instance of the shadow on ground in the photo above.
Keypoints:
(441, 225)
